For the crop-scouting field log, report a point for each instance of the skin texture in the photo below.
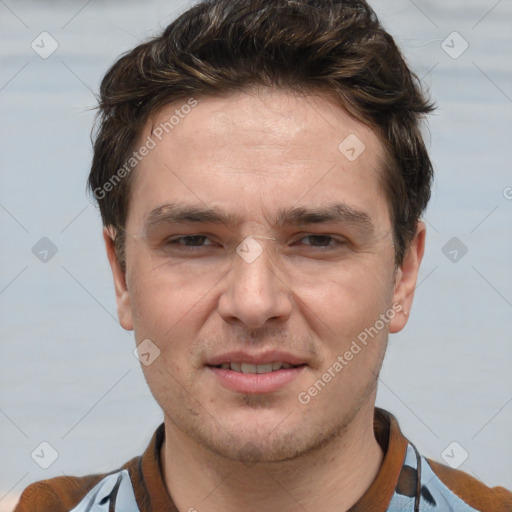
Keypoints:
(251, 154)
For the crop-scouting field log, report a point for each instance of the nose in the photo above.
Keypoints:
(255, 292)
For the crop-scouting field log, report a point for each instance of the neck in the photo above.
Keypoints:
(333, 477)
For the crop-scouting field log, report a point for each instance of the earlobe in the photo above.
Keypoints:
(406, 278)
(119, 276)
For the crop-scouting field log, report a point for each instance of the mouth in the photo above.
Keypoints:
(251, 368)
(264, 373)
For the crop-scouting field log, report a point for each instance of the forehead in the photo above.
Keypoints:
(275, 146)
(263, 116)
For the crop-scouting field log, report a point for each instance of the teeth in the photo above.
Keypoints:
(264, 368)
(248, 368)
(255, 368)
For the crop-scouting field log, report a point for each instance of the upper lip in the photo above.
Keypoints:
(262, 358)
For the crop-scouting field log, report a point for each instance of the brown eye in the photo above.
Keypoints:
(322, 241)
(188, 241)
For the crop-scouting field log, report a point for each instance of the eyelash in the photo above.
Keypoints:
(174, 242)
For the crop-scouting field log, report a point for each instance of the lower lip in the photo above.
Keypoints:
(256, 382)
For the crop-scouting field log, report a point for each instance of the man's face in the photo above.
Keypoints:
(307, 295)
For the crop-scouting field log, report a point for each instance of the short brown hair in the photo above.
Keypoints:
(221, 46)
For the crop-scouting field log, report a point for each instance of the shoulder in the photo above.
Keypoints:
(59, 494)
(69, 493)
(470, 490)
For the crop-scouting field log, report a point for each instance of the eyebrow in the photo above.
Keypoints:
(338, 213)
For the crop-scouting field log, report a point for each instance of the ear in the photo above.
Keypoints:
(124, 311)
(406, 277)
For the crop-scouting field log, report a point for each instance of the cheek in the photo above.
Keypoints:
(346, 314)
(165, 312)
(163, 304)
(353, 294)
